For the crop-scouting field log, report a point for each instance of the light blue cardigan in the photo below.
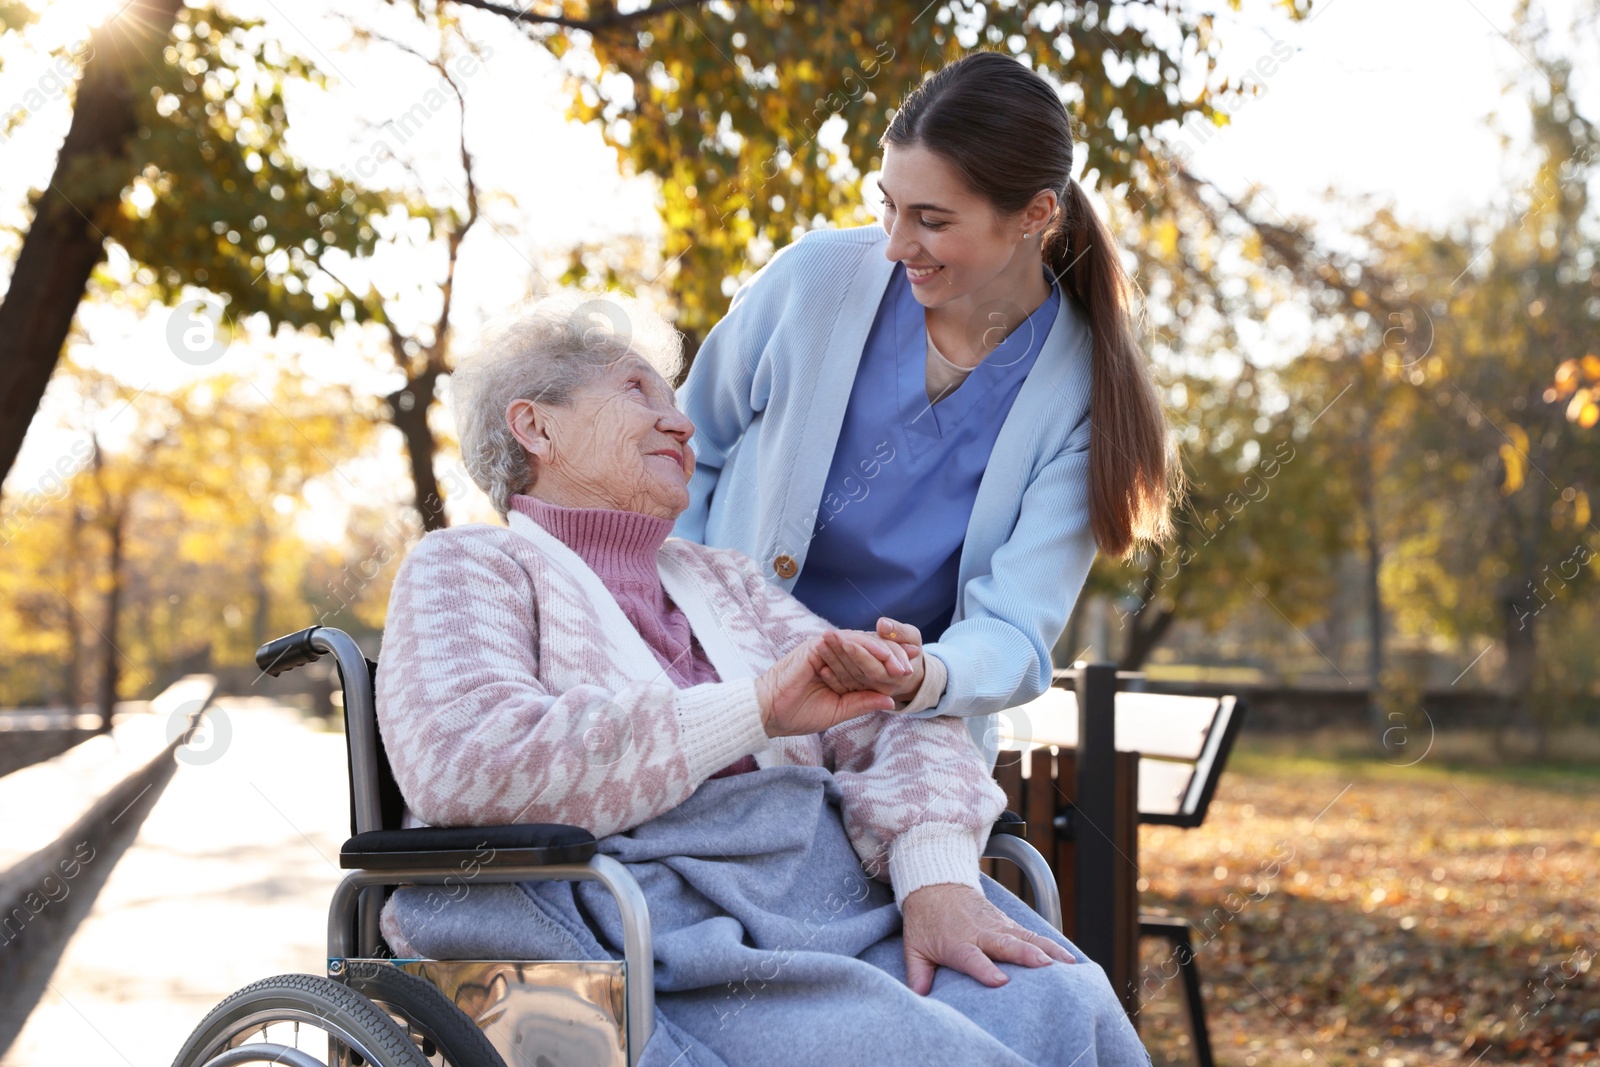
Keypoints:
(767, 393)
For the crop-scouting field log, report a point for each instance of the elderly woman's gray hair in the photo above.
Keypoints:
(543, 354)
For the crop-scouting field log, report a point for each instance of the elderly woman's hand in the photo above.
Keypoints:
(795, 700)
(956, 926)
(889, 661)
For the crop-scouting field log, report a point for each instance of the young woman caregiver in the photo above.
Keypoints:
(933, 425)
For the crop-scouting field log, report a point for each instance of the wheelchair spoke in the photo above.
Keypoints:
(356, 1030)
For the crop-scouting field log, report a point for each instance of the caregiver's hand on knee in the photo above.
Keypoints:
(795, 700)
(889, 661)
(955, 926)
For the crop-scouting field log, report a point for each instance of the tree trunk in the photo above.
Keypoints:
(1158, 607)
(1521, 603)
(73, 664)
(64, 243)
(1067, 646)
(408, 410)
(1518, 613)
(1143, 638)
(1375, 710)
(263, 604)
(110, 672)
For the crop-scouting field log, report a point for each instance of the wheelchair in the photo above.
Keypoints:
(373, 1008)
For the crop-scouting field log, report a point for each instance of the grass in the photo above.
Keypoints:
(1564, 777)
(1354, 911)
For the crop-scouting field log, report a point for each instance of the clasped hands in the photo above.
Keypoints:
(843, 674)
(840, 675)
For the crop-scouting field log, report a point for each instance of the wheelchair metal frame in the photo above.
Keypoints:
(353, 912)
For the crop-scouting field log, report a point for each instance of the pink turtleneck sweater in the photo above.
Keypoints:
(621, 548)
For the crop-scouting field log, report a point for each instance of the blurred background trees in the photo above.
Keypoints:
(1450, 467)
(164, 553)
(762, 120)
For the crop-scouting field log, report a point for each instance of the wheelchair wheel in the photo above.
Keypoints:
(275, 1010)
(445, 1032)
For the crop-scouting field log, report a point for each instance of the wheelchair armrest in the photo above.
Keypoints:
(1046, 894)
(1010, 823)
(448, 848)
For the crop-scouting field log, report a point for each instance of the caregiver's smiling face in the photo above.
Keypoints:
(951, 240)
(620, 443)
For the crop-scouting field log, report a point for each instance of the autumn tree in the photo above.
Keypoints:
(177, 153)
(760, 120)
(181, 509)
(416, 311)
(1526, 303)
(1472, 487)
(1263, 524)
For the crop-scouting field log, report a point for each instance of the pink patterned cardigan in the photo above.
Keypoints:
(511, 688)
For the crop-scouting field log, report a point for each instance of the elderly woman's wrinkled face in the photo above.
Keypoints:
(621, 443)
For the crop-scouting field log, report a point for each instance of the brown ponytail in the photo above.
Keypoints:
(1004, 129)
(1129, 479)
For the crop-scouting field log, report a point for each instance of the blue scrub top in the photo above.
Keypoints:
(905, 472)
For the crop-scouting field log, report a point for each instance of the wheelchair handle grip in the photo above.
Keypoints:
(286, 653)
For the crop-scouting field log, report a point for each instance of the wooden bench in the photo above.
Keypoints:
(1149, 758)
(1182, 742)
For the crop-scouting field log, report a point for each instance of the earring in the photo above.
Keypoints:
(1025, 235)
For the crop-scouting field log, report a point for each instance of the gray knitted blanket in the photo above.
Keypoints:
(773, 947)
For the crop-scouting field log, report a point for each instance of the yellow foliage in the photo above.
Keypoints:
(208, 561)
(1513, 462)
(1566, 376)
(1514, 456)
(1167, 236)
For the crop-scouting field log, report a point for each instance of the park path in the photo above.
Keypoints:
(227, 882)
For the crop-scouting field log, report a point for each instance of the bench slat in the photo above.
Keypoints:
(1152, 724)
(1163, 785)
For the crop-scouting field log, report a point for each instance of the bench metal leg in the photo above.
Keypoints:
(1177, 931)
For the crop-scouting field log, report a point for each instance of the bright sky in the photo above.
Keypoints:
(1377, 99)
(1388, 99)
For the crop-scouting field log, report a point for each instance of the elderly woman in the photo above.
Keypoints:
(752, 765)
